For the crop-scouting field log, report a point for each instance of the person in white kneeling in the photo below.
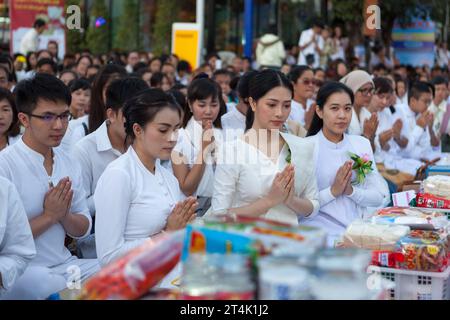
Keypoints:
(341, 199)
(136, 197)
(16, 241)
(267, 172)
(49, 184)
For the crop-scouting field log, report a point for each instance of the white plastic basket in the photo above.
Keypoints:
(415, 285)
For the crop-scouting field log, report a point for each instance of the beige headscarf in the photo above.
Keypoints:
(356, 79)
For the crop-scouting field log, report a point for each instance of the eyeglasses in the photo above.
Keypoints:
(50, 117)
(308, 82)
(366, 92)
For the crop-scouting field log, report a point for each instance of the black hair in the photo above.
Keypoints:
(41, 86)
(8, 73)
(144, 107)
(380, 66)
(85, 56)
(418, 88)
(178, 87)
(439, 80)
(317, 22)
(29, 54)
(221, 72)
(53, 42)
(234, 82)
(202, 88)
(243, 85)
(260, 84)
(120, 90)
(317, 70)
(44, 61)
(68, 71)
(39, 23)
(78, 84)
(297, 72)
(383, 85)
(14, 128)
(179, 97)
(139, 66)
(97, 114)
(157, 79)
(328, 89)
(183, 65)
(6, 58)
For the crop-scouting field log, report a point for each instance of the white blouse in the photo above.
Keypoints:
(132, 204)
(336, 214)
(244, 174)
(298, 111)
(94, 152)
(16, 241)
(189, 144)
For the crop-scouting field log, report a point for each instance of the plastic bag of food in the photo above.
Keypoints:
(412, 217)
(427, 200)
(438, 185)
(239, 234)
(366, 235)
(134, 274)
(423, 251)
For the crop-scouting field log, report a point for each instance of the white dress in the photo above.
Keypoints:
(336, 214)
(244, 174)
(132, 205)
(189, 144)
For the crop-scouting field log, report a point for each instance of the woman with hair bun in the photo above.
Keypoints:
(267, 172)
(136, 197)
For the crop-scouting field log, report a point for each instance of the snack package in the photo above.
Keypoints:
(437, 185)
(423, 251)
(134, 274)
(387, 259)
(412, 217)
(426, 200)
(238, 234)
(366, 235)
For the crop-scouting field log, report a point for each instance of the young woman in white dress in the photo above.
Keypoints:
(341, 201)
(267, 172)
(136, 197)
(193, 160)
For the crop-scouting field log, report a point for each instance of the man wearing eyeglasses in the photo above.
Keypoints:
(50, 187)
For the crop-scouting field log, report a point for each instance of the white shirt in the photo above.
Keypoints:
(438, 112)
(355, 127)
(29, 42)
(16, 241)
(94, 152)
(74, 133)
(419, 140)
(233, 124)
(244, 174)
(132, 205)
(298, 111)
(189, 144)
(336, 214)
(403, 100)
(306, 37)
(24, 168)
